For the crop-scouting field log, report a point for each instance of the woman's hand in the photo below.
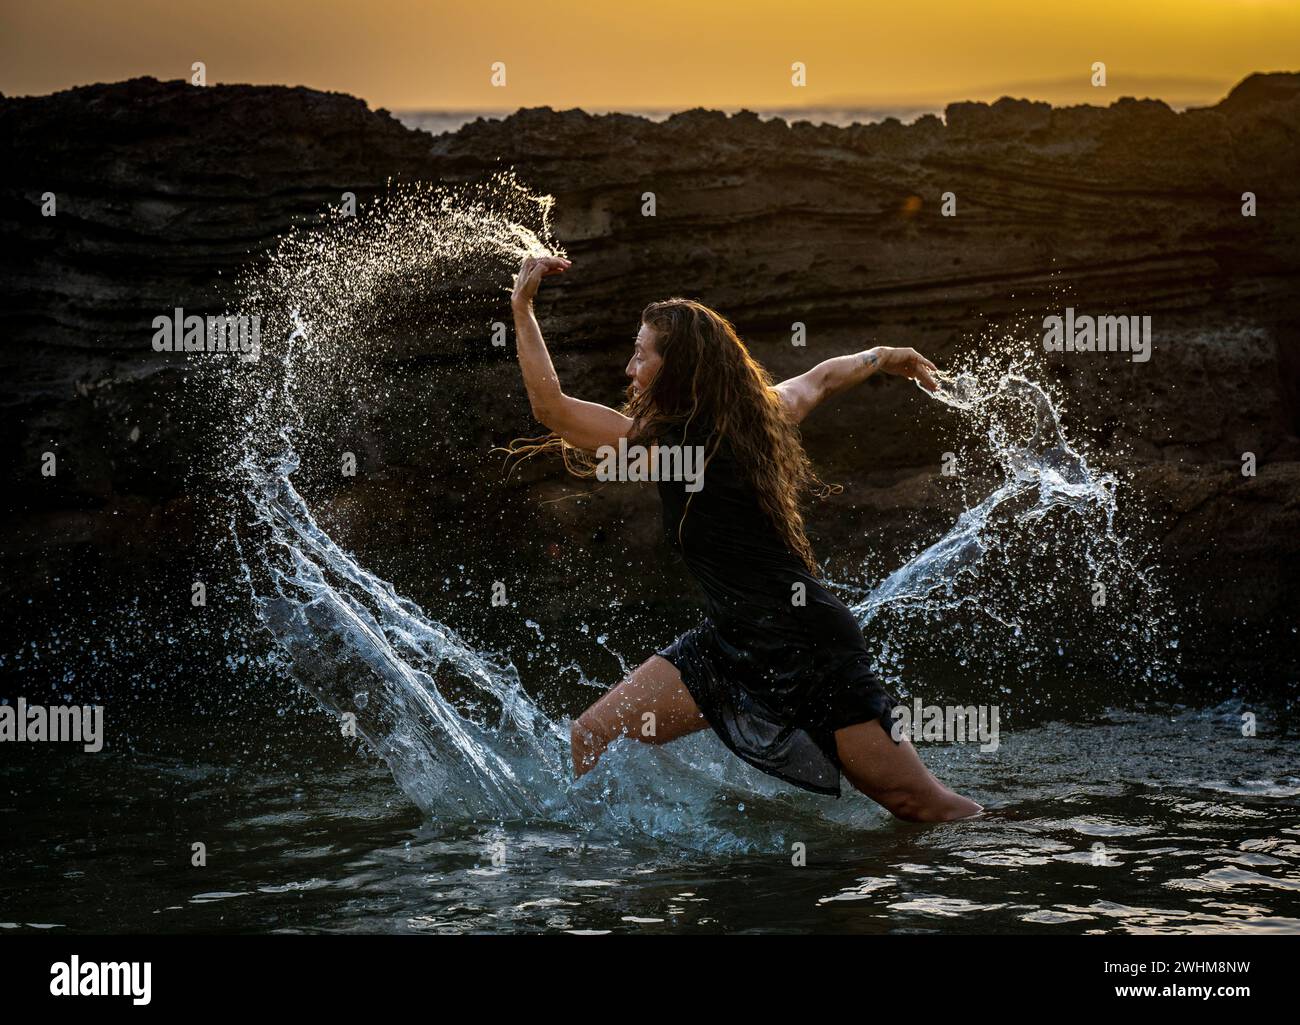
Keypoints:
(530, 275)
(908, 363)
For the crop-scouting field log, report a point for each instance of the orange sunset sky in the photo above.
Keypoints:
(670, 54)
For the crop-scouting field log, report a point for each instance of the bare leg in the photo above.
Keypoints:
(894, 776)
(652, 705)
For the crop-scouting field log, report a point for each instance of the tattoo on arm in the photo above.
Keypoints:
(869, 359)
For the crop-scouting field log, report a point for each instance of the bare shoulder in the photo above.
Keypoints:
(798, 394)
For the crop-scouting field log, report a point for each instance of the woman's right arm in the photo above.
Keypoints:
(584, 425)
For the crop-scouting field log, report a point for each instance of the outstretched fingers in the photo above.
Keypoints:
(924, 376)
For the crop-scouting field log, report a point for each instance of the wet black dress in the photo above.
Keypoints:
(775, 678)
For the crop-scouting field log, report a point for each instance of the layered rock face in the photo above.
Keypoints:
(164, 190)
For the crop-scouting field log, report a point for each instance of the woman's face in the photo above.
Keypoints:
(645, 361)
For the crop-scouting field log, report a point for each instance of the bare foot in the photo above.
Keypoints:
(946, 807)
(967, 809)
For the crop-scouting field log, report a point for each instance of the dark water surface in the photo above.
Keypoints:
(1165, 821)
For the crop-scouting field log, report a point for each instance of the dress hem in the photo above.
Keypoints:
(836, 792)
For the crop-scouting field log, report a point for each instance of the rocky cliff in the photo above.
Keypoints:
(163, 190)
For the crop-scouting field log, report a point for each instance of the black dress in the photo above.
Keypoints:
(775, 668)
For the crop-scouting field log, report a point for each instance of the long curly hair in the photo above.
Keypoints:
(708, 378)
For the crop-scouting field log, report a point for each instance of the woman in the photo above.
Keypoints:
(779, 668)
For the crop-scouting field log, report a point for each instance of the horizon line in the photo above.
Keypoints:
(1210, 91)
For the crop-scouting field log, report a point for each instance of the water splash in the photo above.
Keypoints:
(1022, 567)
(463, 739)
(1042, 465)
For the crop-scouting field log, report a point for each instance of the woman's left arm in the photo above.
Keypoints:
(806, 392)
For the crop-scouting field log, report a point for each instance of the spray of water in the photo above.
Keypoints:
(1036, 573)
(462, 738)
